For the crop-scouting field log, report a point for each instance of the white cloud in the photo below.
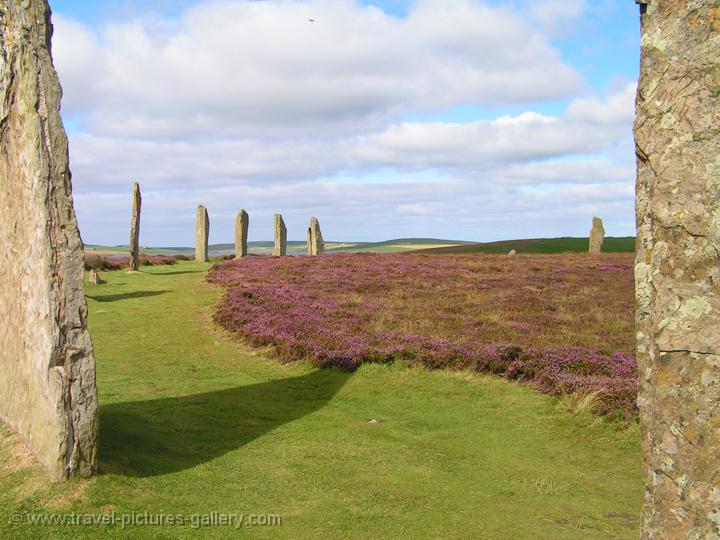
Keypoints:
(259, 68)
(617, 109)
(248, 104)
(557, 17)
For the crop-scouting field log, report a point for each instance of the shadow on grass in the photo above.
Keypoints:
(125, 296)
(154, 437)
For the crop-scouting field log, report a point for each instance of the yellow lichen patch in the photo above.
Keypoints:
(694, 308)
(654, 40)
(713, 16)
(667, 375)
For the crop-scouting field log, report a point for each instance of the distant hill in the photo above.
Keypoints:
(293, 247)
(392, 246)
(398, 245)
(624, 244)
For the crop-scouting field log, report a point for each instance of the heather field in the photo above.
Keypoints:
(561, 322)
(193, 421)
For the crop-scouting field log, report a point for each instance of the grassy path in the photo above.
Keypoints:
(193, 423)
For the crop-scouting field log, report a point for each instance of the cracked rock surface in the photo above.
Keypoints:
(677, 134)
(48, 392)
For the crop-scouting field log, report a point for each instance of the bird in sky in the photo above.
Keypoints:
(311, 20)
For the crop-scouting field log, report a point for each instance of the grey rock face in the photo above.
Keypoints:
(597, 235)
(315, 244)
(135, 229)
(280, 249)
(677, 267)
(48, 392)
(242, 223)
(94, 277)
(202, 232)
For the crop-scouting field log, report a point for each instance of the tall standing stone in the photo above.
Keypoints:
(677, 270)
(202, 231)
(280, 249)
(47, 394)
(597, 235)
(242, 223)
(315, 244)
(135, 229)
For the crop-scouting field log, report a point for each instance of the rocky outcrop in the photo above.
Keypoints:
(280, 249)
(242, 223)
(677, 135)
(135, 229)
(202, 232)
(48, 392)
(315, 242)
(597, 235)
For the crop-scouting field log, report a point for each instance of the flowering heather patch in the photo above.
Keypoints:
(152, 260)
(564, 322)
(100, 262)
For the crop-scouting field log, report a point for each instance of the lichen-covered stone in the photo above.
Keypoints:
(677, 135)
(597, 235)
(512, 253)
(135, 229)
(315, 244)
(280, 248)
(242, 223)
(47, 393)
(202, 232)
(94, 277)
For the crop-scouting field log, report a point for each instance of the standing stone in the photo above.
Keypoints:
(597, 235)
(48, 394)
(677, 267)
(202, 231)
(242, 222)
(135, 229)
(316, 245)
(280, 249)
(512, 253)
(94, 277)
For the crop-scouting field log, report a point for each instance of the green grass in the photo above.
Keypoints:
(625, 244)
(193, 422)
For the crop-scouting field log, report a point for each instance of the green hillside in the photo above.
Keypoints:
(625, 244)
(398, 245)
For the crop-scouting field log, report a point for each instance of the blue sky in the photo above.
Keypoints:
(474, 120)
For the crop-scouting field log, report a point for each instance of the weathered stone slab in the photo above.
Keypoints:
(280, 249)
(512, 253)
(242, 223)
(202, 232)
(135, 229)
(48, 392)
(677, 271)
(597, 235)
(94, 277)
(315, 244)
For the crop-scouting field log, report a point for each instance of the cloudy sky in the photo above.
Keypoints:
(463, 119)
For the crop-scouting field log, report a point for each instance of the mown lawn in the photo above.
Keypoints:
(193, 422)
